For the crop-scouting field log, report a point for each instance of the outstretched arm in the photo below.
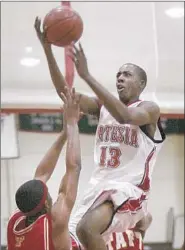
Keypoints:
(48, 163)
(69, 185)
(87, 104)
(146, 113)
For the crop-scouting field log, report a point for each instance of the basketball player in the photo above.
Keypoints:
(39, 224)
(126, 148)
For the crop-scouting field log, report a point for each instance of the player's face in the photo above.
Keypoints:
(127, 83)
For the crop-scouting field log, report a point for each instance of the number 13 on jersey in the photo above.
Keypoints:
(110, 157)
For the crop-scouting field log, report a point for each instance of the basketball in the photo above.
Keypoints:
(63, 26)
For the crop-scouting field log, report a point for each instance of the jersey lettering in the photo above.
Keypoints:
(125, 241)
(120, 241)
(19, 241)
(109, 243)
(139, 237)
(130, 235)
(114, 154)
(103, 156)
(118, 134)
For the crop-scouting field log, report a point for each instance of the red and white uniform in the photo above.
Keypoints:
(37, 236)
(129, 240)
(124, 158)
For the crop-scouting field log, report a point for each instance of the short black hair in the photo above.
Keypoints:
(29, 195)
(141, 72)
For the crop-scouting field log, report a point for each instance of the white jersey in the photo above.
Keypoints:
(123, 152)
(124, 158)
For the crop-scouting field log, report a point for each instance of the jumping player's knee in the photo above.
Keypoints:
(84, 231)
(95, 222)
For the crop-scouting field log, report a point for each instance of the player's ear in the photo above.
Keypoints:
(46, 204)
(142, 84)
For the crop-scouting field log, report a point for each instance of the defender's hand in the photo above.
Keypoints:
(71, 106)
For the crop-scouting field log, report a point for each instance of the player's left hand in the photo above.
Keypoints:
(80, 61)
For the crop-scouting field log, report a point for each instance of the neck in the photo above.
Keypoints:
(132, 100)
(33, 218)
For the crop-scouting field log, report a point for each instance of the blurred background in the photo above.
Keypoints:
(150, 34)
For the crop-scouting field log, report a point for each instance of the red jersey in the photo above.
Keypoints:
(37, 236)
(129, 240)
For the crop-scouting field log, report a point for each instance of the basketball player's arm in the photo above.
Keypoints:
(48, 163)
(69, 185)
(88, 105)
(61, 210)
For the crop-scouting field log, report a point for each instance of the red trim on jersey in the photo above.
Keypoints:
(26, 229)
(100, 104)
(37, 236)
(41, 204)
(74, 242)
(132, 205)
(145, 183)
(46, 234)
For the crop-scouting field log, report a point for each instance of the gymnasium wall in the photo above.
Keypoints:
(168, 178)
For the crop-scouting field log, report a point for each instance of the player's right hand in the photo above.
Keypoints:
(71, 106)
(41, 35)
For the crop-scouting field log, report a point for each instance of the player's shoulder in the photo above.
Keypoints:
(151, 104)
(16, 214)
(151, 107)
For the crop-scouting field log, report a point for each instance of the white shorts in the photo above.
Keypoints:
(130, 205)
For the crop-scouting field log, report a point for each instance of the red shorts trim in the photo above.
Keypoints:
(145, 183)
(74, 243)
(132, 205)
